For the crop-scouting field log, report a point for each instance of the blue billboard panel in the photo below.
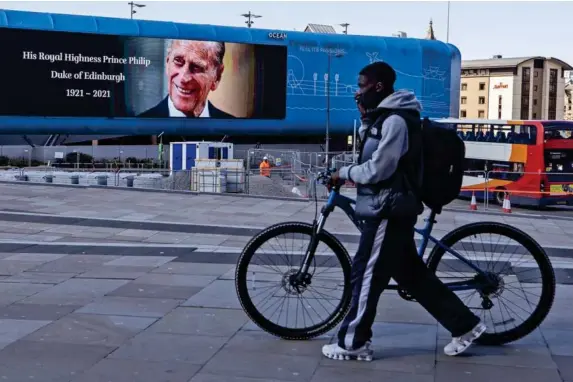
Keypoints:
(271, 82)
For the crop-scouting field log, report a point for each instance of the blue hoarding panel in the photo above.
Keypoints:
(191, 155)
(177, 163)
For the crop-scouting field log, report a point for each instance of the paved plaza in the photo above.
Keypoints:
(104, 285)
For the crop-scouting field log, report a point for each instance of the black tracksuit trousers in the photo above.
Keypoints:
(387, 250)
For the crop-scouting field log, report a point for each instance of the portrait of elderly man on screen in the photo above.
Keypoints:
(193, 70)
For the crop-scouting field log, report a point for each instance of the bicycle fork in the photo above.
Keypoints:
(317, 226)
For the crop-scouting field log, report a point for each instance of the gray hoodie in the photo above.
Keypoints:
(393, 143)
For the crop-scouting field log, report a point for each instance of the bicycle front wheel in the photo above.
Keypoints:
(263, 281)
(524, 278)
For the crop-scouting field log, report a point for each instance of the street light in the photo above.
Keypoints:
(250, 16)
(330, 55)
(345, 26)
(448, 25)
(133, 5)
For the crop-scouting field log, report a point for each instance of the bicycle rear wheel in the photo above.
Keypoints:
(498, 305)
(270, 279)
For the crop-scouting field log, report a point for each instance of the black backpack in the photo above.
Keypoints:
(443, 164)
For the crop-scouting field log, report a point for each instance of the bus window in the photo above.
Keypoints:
(517, 134)
(558, 134)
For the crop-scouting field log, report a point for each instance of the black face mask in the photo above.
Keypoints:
(370, 99)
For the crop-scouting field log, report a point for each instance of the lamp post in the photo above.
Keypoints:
(132, 6)
(249, 16)
(327, 148)
(345, 26)
(448, 25)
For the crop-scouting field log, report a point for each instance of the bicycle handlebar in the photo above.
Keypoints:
(325, 179)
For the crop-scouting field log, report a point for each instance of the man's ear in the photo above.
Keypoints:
(379, 87)
(219, 74)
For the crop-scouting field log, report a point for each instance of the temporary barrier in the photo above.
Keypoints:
(517, 188)
(473, 203)
(506, 204)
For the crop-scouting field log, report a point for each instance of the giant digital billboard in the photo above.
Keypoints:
(63, 74)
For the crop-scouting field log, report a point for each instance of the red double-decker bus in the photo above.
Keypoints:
(558, 160)
(532, 161)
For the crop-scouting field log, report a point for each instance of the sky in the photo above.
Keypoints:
(479, 29)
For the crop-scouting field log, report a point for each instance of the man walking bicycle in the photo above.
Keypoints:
(387, 178)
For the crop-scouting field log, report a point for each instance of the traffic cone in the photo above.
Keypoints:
(506, 204)
(473, 204)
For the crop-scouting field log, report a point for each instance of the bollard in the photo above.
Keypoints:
(22, 178)
(129, 180)
(101, 180)
(75, 179)
(49, 178)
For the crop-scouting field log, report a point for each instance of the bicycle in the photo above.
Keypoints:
(301, 277)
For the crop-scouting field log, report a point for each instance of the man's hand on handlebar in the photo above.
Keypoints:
(335, 178)
(330, 179)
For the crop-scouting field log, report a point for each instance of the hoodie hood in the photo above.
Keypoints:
(401, 99)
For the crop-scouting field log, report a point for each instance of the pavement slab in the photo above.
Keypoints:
(166, 347)
(129, 370)
(75, 292)
(130, 306)
(91, 329)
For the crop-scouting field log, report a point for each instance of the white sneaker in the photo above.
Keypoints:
(460, 344)
(333, 351)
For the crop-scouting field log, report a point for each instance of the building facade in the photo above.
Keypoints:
(513, 88)
(568, 102)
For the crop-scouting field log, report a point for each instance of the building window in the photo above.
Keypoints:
(482, 86)
(534, 115)
(525, 91)
(524, 108)
(534, 88)
(534, 102)
(535, 74)
(462, 113)
(481, 114)
(464, 100)
(464, 86)
(482, 100)
(552, 110)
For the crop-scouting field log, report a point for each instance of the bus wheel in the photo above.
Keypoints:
(500, 196)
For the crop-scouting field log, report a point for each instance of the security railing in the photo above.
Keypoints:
(489, 188)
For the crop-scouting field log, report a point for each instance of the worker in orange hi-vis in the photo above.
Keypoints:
(265, 168)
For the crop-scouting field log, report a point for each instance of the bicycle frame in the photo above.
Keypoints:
(346, 204)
